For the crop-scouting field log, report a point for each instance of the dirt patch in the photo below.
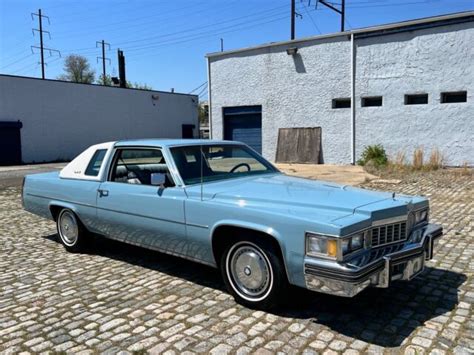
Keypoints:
(342, 174)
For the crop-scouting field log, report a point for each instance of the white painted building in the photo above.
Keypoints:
(412, 84)
(50, 120)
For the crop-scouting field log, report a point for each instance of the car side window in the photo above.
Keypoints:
(136, 166)
(96, 162)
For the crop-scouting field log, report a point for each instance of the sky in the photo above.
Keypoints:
(165, 41)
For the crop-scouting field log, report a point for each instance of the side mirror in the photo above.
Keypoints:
(158, 179)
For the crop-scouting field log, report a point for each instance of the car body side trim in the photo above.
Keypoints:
(127, 213)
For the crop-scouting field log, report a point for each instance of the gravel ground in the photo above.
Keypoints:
(123, 298)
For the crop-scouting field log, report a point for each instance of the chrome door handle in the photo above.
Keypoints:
(103, 193)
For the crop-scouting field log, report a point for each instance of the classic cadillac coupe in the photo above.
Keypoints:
(222, 204)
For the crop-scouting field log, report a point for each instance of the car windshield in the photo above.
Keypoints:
(220, 162)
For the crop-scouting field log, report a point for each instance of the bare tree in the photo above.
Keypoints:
(77, 69)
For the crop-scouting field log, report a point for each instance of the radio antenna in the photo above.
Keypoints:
(202, 170)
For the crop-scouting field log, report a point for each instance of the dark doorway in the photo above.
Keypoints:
(244, 124)
(187, 130)
(10, 143)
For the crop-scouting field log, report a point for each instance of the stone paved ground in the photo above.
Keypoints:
(125, 298)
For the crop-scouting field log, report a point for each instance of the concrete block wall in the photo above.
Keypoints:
(297, 91)
(294, 91)
(428, 61)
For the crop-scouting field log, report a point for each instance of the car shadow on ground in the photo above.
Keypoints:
(383, 317)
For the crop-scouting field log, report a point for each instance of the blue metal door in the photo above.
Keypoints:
(244, 124)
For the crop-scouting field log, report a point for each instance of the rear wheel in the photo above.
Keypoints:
(254, 273)
(71, 232)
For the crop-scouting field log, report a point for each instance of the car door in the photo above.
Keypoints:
(131, 209)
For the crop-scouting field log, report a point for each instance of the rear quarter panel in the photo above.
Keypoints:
(41, 191)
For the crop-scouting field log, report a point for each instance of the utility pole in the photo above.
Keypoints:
(292, 19)
(293, 15)
(343, 14)
(121, 65)
(41, 47)
(104, 58)
(341, 11)
(40, 18)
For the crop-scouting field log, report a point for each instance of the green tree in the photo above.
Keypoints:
(132, 85)
(77, 69)
(203, 113)
(138, 86)
(108, 80)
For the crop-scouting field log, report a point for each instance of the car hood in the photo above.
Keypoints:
(323, 201)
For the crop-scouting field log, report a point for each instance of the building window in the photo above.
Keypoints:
(341, 103)
(371, 101)
(416, 99)
(450, 97)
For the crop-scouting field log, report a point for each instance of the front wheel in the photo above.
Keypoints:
(254, 273)
(71, 232)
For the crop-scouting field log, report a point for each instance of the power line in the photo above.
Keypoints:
(117, 10)
(193, 29)
(17, 61)
(203, 35)
(214, 32)
(30, 65)
(135, 22)
(200, 86)
(14, 48)
(341, 10)
(311, 18)
(203, 90)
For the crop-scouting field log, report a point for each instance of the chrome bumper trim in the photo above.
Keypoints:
(351, 278)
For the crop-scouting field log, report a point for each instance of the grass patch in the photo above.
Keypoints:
(373, 155)
(399, 167)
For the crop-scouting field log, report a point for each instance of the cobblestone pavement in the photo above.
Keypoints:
(122, 298)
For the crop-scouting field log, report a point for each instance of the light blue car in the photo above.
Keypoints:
(222, 204)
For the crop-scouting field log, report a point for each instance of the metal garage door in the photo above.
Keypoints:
(244, 124)
(10, 143)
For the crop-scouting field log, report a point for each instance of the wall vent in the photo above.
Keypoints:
(452, 97)
(416, 99)
(341, 103)
(371, 101)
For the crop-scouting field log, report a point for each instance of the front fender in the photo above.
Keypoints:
(248, 225)
(257, 228)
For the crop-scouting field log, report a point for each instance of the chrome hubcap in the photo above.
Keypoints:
(68, 229)
(250, 271)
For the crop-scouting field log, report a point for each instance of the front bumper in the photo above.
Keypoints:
(377, 267)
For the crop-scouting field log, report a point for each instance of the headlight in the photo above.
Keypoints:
(421, 216)
(346, 246)
(353, 243)
(357, 241)
(319, 245)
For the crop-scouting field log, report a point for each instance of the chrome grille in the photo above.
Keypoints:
(389, 233)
